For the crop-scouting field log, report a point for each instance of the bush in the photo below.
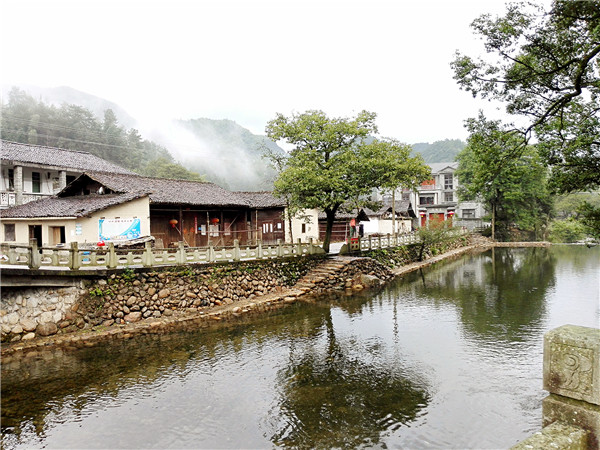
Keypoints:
(569, 230)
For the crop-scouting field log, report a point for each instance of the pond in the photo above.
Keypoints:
(447, 357)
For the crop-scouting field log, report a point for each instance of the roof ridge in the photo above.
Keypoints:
(48, 146)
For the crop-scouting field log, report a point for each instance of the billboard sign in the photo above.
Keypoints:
(119, 229)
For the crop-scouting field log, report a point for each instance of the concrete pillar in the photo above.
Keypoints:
(572, 376)
(62, 180)
(18, 171)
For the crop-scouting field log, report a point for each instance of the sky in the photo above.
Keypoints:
(249, 60)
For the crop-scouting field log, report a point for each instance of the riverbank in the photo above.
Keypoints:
(205, 317)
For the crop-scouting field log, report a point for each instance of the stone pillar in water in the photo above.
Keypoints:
(572, 376)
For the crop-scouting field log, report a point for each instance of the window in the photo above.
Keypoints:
(9, 232)
(448, 181)
(35, 182)
(406, 196)
(468, 213)
(11, 179)
(448, 196)
(303, 228)
(426, 200)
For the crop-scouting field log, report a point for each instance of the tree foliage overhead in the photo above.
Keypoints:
(544, 65)
(514, 189)
(28, 121)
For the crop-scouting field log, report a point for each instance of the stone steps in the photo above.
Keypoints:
(327, 269)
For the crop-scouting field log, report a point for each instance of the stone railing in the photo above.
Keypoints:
(75, 258)
(571, 412)
(388, 241)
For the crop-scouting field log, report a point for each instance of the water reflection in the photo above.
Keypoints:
(334, 397)
(446, 358)
(499, 295)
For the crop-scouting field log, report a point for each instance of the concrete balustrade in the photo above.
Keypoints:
(571, 411)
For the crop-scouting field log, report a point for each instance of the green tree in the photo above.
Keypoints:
(513, 189)
(328, 164)
(544, 65)
(163, 168)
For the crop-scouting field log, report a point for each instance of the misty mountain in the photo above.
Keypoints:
(439, 151)
(58, 96)
(228, 154)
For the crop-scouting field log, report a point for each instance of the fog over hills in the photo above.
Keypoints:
(220, 150)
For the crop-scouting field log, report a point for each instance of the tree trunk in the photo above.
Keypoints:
(329, 228)
(493, 221)
(394, 211)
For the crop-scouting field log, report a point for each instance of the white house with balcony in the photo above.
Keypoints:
(30, 172)
(436, 200)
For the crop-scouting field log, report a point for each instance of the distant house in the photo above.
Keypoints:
(436, 200)
(30, 172)
(101, 206)
(380, 220)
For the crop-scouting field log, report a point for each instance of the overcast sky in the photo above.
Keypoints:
(248, 60)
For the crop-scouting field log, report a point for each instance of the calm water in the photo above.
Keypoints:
(450, 357)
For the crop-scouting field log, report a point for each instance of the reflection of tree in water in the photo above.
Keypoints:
(330, 398)
(501, 298)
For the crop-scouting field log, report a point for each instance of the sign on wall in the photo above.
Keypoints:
(119, 229)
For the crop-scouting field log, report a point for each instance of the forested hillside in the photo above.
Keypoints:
(439, 151)
(27, 120)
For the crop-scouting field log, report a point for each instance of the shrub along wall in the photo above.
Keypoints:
(401, 256)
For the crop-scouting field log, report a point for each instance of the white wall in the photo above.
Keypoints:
(84, 229)
(308, 217)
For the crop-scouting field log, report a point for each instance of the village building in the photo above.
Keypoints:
(436, 199)
(31, 172)
(113, 207)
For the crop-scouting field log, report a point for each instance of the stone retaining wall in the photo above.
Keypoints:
(130, 296)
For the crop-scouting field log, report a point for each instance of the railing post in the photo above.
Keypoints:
(259, 250)
(389, 241)
(34, 254)
(279, 248)
(148, 257)
(75, 262)
(311, 247)
(112, 256)
(370, 243)
(236, 250)
(180, 255)
(299, 251)
(211, 253)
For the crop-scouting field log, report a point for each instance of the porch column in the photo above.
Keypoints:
(18, 185)
(62, 180)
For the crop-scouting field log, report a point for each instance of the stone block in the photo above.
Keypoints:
(577, 413)
(572, 363)
(556, 435)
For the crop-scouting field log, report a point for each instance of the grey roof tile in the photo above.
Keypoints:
(56, 157)
(79, 206)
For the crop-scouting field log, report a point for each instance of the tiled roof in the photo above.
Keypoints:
(438, 167)
(56, 157)
(165, 191)
(79, 206)
(264, 199)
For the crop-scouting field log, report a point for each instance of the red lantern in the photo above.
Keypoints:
(173, 222)
(101, 244)
(214, 220)
(450, 213)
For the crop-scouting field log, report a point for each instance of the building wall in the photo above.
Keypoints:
(84, 230)
(310, 219)
(50, 183)
(384, 226)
